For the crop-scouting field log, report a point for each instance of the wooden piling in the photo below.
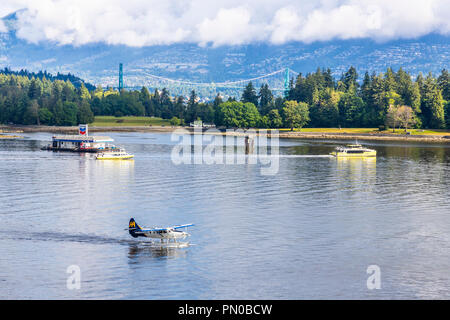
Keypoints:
(249, 145)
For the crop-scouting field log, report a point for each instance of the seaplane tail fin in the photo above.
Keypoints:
(133, 228)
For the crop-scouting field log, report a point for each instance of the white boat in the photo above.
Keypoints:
(120, 154)
(354, 150)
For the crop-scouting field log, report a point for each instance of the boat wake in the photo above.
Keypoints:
(294, 156)
(305, 156)
(87, 238)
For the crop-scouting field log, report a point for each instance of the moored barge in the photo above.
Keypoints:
(80, 143)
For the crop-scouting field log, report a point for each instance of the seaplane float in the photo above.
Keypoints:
(166, 235)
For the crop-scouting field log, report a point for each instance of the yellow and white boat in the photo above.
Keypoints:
(114, 155)
(354, 151)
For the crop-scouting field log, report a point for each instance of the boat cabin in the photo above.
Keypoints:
(78, 142)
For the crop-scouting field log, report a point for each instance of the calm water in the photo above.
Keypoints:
(308, 232)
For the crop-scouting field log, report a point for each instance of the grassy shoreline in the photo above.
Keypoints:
(129, 121)
(4, 136)
(151, 124)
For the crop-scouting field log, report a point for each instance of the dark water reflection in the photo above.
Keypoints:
(309, 231)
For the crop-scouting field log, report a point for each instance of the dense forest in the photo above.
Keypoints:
(390, 99)
(76, 81)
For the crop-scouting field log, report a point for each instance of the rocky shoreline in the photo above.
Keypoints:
(444, 139)
(367, 136)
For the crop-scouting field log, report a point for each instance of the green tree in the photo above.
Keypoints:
(31, 115)
(85, 114)
(206, 112)
(192, 110)
(390, 81)
(239, 115)
(98, 92)
(45, 116)
(156, 103)
(251, 116)
(274, 119)
(366, 88)
(432, 104)
(84, 92)
(175, 121)
(216, 105)
(265, 97)
(35, 89)
(447, 114)
(249, 94)
(409, 91)
(377, 103)
(231, 113)
(444, 84)
(69, 114)
(328, 79)
(179, 108)
(296, 114)
(349, 79)
(351, 110)
(145, 99)
(325, 112)
(68, 92)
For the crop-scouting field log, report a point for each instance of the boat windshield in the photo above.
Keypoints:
(355, 151)
(354, 146)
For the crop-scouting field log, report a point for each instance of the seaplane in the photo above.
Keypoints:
(164, 234)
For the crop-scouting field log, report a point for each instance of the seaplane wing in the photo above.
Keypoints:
(183, 226)
(159, 233)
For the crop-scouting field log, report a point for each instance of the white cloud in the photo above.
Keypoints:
(230, 26)
(224, 22)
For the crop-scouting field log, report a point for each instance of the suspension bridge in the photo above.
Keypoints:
(278, 82)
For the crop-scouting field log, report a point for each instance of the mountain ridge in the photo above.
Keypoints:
(97, 63)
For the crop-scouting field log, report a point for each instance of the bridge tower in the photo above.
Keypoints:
(120, 77)
(286, 82)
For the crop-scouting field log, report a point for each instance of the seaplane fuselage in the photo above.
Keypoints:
(169, 233)
(166, 234)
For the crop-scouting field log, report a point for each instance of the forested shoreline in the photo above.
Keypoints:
(384, 100)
